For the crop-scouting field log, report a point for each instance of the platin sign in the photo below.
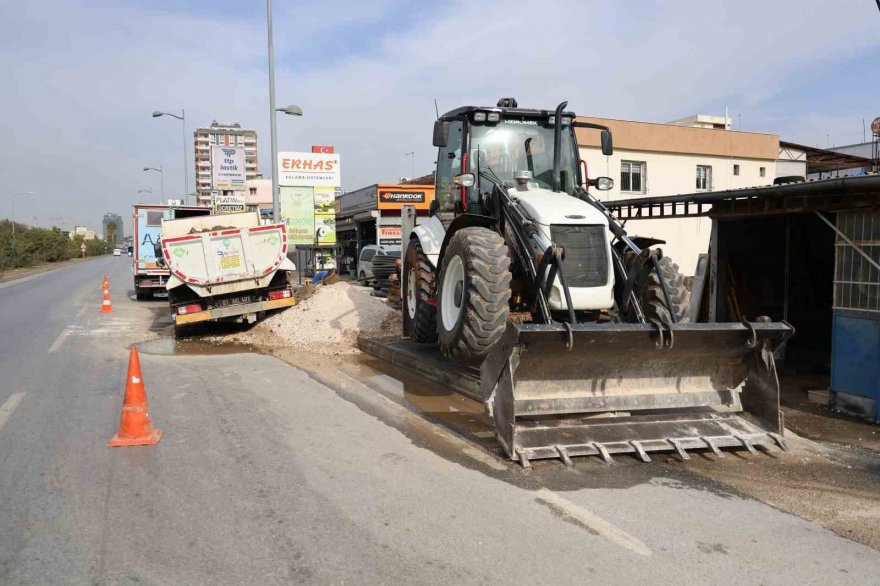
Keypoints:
(309, 169)
(227, 168)
(319, 148)
(229, 204)
(390, 235)
(394, 197)
(875, 125)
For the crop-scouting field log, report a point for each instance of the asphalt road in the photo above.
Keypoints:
(267, 476)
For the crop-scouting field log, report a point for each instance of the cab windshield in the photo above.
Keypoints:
(513, 145)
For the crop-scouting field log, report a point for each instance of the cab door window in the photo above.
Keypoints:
(448, 166)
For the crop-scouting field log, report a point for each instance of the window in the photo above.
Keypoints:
(763, 171)
(736, 169)
(448, 166)
(154, 218)
(704, 177)
(367, 254)
(253, 190)
(632, 176)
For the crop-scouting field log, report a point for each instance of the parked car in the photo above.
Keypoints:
(117, 252)
(365, 260)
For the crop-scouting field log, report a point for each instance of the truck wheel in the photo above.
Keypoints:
(419, 318)
(653, 301)
(474, 294)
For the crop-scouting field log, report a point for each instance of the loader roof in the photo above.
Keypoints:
(525, 112)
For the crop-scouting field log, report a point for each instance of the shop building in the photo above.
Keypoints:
(371, 215)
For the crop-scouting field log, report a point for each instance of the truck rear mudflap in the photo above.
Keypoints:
(236, 310)
(559, 391)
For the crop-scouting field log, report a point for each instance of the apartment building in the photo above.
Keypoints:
(232, 135)
(118, 227)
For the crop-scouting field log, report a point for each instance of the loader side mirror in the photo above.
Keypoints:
(607, 145)
(602, 183)
(441, 133)
(464, 180)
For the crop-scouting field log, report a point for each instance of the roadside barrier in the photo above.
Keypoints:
(135, 427)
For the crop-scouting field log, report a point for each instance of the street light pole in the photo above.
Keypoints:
(273, 130)
(182, 119)
(413, 155)
(12, 206)
(161, 180)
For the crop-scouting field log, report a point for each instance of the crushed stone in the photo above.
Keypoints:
(328, 321)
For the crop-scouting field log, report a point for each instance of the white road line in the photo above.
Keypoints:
(59, 340)
(582, 516)
(9, 406)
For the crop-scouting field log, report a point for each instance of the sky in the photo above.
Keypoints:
(82, 78)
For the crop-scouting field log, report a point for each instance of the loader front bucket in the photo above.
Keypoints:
(604, 389)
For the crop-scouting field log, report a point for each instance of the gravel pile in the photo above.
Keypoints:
(328, 322)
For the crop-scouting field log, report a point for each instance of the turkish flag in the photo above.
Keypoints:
(327, 150)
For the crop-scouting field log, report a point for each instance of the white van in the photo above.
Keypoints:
(365, 260)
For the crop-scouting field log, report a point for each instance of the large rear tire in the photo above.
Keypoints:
(474, 294)
(419, 315)
(653, 300)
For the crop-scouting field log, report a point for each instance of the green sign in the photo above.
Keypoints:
(298, 214)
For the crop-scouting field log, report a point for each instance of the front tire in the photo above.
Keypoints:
(474, 294)
(419, 316)
(652, 298)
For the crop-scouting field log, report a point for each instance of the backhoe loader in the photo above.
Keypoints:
(576, 329)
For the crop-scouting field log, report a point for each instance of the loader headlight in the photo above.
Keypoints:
(493, 117)
(566, 120)
(479, 116)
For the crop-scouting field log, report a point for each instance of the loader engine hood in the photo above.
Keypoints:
(582, 231)
(555, 207)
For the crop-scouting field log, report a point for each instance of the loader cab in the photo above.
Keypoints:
(504, 142)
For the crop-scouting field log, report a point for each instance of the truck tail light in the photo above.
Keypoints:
(281, 294)
(191, 308)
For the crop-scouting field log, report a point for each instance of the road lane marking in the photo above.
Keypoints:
(59, 340)
(9, 406)
(582, 517)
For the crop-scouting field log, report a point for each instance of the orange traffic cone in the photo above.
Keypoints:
(135, 427)
(106, 306)
(106, 283)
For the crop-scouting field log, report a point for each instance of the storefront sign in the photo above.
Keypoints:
(394, 197)
(229, 204)
(390, 235)
(227, 168)
(308, 169)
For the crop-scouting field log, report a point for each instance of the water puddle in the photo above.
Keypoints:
(192, 347)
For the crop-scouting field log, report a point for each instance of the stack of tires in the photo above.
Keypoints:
(383, 268)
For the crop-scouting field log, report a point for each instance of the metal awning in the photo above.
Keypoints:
(837, 194)
(824, 160)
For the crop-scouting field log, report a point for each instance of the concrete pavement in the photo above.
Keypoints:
(271, 474)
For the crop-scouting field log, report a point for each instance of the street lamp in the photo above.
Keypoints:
(290, 110)
(12, 206)
(182, 118)
(161, 180)
(413, 155)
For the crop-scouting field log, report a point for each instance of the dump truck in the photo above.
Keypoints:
(150, 276)
(225, 268)
(523, 292)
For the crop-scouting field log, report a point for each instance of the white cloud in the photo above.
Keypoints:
(85, 79)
